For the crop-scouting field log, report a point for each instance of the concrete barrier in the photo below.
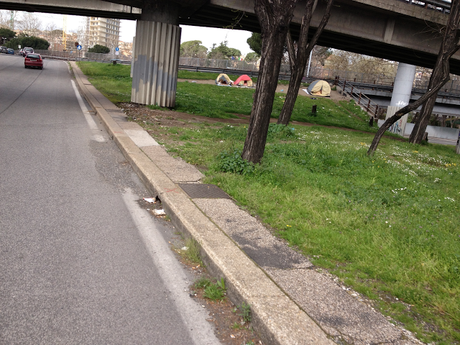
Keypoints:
(433, 131)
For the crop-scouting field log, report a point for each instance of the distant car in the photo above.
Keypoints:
(3, 50)
(33, 60)
(11, 51)
(27, 50)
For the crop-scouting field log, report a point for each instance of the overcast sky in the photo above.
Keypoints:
(208, 36)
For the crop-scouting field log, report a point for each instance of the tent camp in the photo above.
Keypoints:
(223, 79)
(244, 80)
(319, 88)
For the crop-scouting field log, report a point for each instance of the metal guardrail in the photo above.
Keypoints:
(218, 70)
(439, 5)
(373, 109)
(255, 73)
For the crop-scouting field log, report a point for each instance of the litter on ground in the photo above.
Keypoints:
(159, 212)
(151, 200)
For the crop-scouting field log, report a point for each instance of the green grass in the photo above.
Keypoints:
(192, 254)
(113, 81)
(224, 102)
(388, 225)
(213, 291)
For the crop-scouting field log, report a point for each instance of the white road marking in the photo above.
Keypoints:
(171, 273)
(89, 119)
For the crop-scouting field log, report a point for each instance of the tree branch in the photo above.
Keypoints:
(321, 26)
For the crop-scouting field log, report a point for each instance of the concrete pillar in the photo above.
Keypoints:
(156, 55)
(132, 57)
(156, 61)
(403, 85)
(401, 96)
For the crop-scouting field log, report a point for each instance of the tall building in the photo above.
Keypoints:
(103, 31)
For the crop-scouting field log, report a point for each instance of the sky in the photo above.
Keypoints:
(208, 36)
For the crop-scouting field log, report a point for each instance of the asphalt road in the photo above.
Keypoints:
(80, 261)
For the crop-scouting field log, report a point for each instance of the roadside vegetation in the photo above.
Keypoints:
(225, 102)
(386, 225)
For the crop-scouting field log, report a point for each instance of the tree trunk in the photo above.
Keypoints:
(299, 58)
(274, 18)
(449, 46)
(423, 119)
(403, 111)
(439, 78)
(457, 149)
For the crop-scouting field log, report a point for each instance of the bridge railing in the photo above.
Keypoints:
(75, 55)
(452, 88)
(372, 108)
(438, 5)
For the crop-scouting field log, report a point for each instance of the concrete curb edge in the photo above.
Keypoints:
(275, 316)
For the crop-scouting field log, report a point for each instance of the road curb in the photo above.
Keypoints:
(274, 315)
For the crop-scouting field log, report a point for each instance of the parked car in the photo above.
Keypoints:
(33, 60)
(11, 51)
(27, 50)
(3, 49)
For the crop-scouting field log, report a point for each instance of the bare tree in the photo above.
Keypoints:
(4, 20)
(8, 19)
(52, 34)
(30, 24)
(299, 57)
(82, 35)
(320, 55)
(274, 18)
(440, 76)
(450, 42)
(341, 60)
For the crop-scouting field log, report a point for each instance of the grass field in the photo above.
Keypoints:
(388, 226)
(223, 102)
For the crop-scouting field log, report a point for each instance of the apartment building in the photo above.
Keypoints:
(103, 31)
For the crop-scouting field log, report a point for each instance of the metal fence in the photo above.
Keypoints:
(79, 55)
(372, 108)
(452, 87)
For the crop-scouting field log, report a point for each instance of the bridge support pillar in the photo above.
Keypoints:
(156, 62)
(401, 95)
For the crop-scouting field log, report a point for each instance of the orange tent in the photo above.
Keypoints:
(244, 80)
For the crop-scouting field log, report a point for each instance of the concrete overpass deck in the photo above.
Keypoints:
(398, 30)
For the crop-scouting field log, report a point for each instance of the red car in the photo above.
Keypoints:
(33, 60)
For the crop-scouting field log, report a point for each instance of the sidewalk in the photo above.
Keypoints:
(292, 302)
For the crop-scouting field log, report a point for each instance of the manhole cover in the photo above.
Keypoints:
(203, 191)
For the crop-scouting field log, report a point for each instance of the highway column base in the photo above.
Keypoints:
(401, 96)
(156, 62)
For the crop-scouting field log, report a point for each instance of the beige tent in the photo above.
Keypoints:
(319, 88)
(223, 79)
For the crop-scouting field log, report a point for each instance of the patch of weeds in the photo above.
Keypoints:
(221, 284)
(245, 312)
(280, 131)
(236, 325)
(202, 283)
(213, 291)
(231, 162)
(156, 107)
(192, 253)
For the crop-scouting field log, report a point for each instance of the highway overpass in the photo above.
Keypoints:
(399, 30)
(392, 29)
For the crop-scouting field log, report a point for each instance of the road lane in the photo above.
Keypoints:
(74, 268)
